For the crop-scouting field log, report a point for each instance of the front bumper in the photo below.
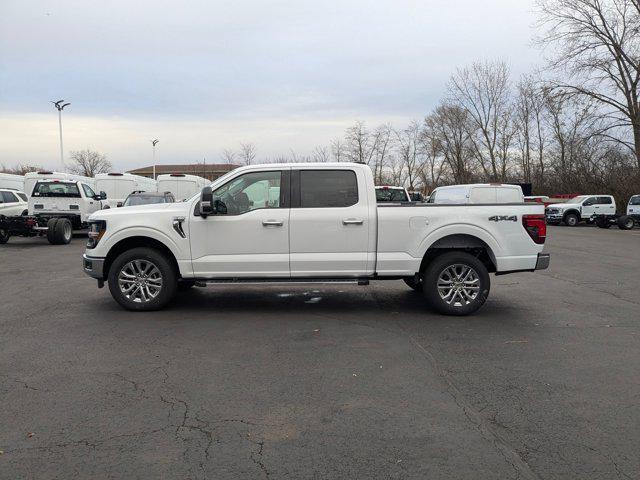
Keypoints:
(93, 266)
(543, 261)
(554, 217)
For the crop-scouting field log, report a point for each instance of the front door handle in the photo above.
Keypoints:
(272, 223)
(352, 221)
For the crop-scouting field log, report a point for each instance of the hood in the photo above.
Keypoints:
(160, 208)
(564, 205)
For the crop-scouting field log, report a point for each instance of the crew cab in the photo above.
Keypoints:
(582, 208)
(73, 200)
(310, 223)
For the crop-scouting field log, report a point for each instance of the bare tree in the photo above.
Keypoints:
(247, 153)
(360, 143)
(410, 154)
(338, 150)
(89, 163)
(596, 48)
(383, 149)
(450, 125)
(19, 169)
(229, 156)
(433, 167)
(483, 90)
(529, 106)
(320, 154)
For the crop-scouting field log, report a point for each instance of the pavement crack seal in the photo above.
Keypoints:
(256, 457)
(486, 429)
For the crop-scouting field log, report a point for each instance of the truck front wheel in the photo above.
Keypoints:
(142, 279)
(456, 283)
(571, 220)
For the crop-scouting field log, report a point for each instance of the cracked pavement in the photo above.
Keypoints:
(363, 382)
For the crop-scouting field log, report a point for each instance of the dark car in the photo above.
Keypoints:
(148, 198)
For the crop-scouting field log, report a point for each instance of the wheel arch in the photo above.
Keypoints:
(138, 241)
(573, 211)
(461, 242)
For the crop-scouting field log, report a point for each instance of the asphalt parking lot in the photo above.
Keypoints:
(337, 381)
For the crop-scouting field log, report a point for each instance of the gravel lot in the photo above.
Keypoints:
(324, 382)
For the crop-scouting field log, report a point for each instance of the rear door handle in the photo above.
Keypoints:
(272, 223)
(352, 221)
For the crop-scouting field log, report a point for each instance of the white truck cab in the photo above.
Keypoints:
(181, 185)
(633, 207)
(310, 222)
(74, 200)
(118, 186)
(580, 209)
(13, 202)
(477, 193)
(31, 178)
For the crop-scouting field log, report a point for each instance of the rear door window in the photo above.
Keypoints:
(22, 196)
(604, 201)
(328, 188)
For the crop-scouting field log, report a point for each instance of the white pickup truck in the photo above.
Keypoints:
(310, 223)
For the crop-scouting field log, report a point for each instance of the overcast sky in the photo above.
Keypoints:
(203, 76)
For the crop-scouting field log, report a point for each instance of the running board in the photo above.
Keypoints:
(281, 281)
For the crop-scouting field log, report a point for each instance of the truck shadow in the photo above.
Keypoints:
(335, 301)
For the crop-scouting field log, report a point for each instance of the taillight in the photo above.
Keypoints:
(536, 227)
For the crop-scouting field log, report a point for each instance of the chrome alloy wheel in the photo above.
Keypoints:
(140, 281)
(458, 285)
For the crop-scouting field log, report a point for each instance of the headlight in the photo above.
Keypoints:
(96, 231)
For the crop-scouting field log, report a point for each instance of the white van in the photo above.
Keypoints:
(182, 186)
(118, 186)
(490, 193)
(31, 178)
(11, 181)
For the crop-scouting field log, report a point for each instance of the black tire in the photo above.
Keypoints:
(25, 213)
(184, 285)
(63, 231)
(4, 236)
(571, 220)
(602, 222)
(413, 283)
(51, 229)
(458, 261)
(626, 222)
(145, 257)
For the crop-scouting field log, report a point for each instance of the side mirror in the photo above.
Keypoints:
(206, 202)
(587, 204)
(119, 204)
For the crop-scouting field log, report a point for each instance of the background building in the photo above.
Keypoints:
(209, 171)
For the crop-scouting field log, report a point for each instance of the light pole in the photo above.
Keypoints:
(60, 106)
(154, 143)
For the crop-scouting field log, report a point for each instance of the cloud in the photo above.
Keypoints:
(241, 67)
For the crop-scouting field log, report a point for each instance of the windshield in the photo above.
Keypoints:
(56, 189)
(391, 195)
(143, 200)
(635, 200)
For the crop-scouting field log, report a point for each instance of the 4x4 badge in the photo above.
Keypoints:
(504, 218)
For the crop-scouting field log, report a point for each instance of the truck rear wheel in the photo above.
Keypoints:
(456, 283)
(571, 220)
(625, 222)
(51, 230)
(63, 231)
(142, 279)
